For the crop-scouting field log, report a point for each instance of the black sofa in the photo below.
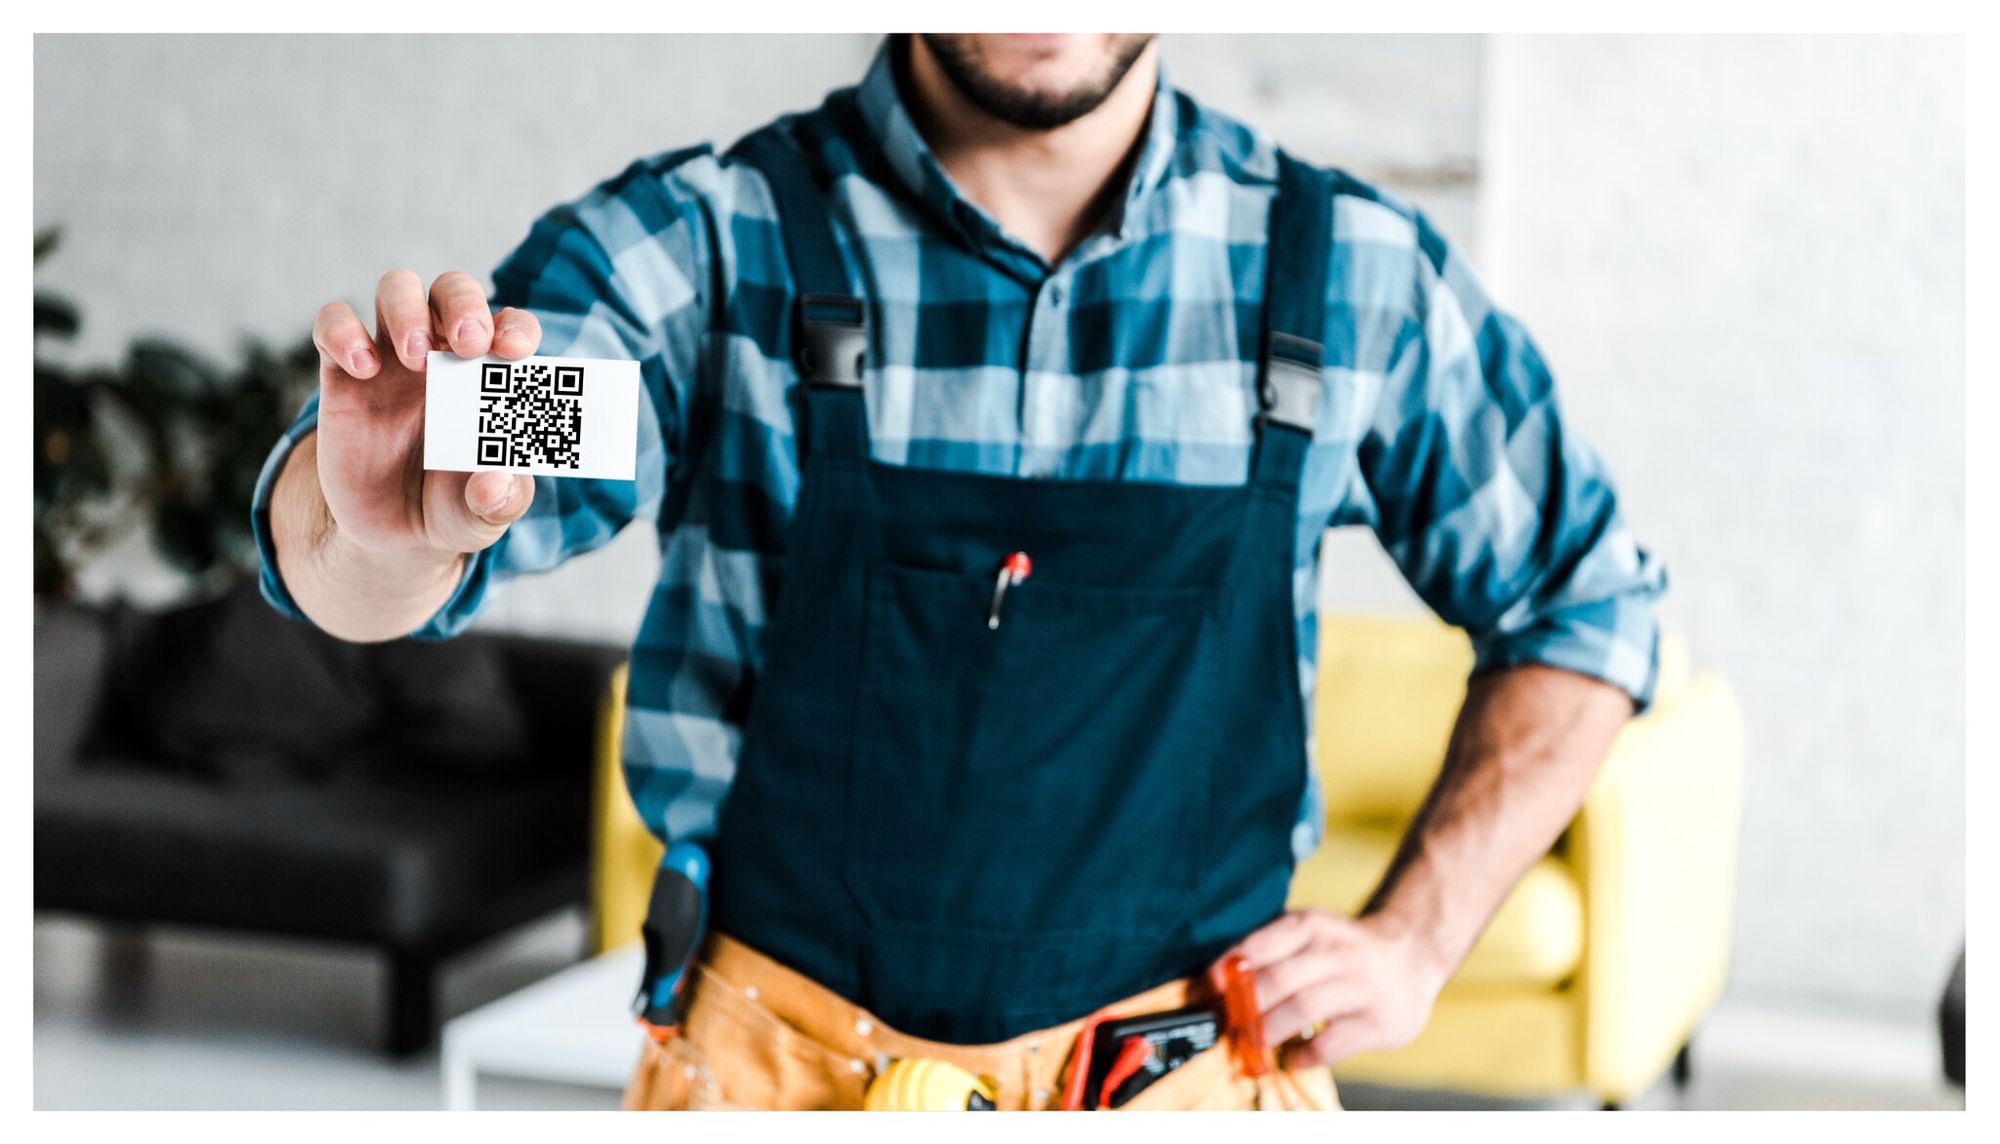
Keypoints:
(219, 765)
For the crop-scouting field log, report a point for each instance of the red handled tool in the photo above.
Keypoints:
(1132, 1056)
(1079, 1065)
(1013, 570)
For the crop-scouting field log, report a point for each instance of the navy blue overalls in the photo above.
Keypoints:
(972, 831)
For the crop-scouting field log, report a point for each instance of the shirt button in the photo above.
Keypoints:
(1055, 294)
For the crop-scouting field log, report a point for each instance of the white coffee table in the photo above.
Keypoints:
(573, 1027)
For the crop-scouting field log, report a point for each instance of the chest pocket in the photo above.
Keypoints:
(1045, 779)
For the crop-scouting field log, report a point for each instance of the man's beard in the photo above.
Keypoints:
(1034, 110)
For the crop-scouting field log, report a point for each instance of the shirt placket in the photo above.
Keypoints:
(1048, 390)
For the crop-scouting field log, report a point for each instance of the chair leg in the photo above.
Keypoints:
(412, 1012)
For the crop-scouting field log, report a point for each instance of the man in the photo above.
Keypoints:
(992, 414)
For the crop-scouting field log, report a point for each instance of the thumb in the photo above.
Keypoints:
(499, 498)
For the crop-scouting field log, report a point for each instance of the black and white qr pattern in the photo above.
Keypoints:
(531, 415)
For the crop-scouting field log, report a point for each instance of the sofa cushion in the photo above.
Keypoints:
(384, 853)
(229, 690)
(1536, 938)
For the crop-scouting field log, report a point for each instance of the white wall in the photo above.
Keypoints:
(1744, 259)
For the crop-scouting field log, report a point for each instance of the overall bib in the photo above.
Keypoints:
(973, 832)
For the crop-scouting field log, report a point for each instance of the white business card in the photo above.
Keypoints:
(550, 416)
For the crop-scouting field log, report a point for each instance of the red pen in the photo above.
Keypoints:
(1013, 570)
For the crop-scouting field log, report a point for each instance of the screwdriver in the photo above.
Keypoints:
(1013, 570)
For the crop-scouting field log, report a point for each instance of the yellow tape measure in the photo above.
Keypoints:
(919, 1084)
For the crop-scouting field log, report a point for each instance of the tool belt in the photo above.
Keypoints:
(758, 1035)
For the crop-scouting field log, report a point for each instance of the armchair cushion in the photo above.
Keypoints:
(1536, 938)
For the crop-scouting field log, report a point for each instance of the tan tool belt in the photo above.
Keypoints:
(758, 1035)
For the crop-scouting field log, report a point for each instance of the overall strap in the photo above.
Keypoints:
(828, 327)
(1288, 368)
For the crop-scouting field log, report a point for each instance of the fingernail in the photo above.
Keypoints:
(418, 346)
(467, 330)
(364, 361)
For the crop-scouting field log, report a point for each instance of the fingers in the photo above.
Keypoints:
(459, 314)
(403, 318)
(410, 322)
(1340, 1040)
(516, 333)
(1281, 979)
(1285, 937)
(1328, 999)
(343, 341)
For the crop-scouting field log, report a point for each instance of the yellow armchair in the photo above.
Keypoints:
(1595, 971)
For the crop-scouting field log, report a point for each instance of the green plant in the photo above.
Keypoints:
(165, 439)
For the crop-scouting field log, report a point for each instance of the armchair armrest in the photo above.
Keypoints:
(623, 853)
(1654, 850)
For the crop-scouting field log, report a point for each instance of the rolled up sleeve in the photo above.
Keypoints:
(1502, 518)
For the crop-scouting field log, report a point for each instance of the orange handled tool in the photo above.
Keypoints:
(1232, 981)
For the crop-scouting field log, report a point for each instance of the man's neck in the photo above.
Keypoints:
(1049, 188)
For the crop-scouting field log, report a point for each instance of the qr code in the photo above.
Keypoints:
(531, 415)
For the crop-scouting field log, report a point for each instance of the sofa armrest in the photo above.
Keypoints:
(1654, 850)
(71, 650)
(560, 686)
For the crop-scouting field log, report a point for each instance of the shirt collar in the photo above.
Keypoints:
(879, 99)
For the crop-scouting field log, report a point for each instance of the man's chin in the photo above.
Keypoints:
(1036, 82)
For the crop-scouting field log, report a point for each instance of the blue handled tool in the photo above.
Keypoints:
(676, 917)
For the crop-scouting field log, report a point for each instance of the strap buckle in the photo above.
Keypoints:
(832, 340)
(1289, 383)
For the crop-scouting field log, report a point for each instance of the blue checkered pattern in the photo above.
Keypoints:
(1134, 358)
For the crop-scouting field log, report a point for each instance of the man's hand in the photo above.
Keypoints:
(371, 419)
(369, 543)
(1351, 985)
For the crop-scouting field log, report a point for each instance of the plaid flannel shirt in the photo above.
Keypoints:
(1133, 358)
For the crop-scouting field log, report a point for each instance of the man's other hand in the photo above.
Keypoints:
(1330, 986)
